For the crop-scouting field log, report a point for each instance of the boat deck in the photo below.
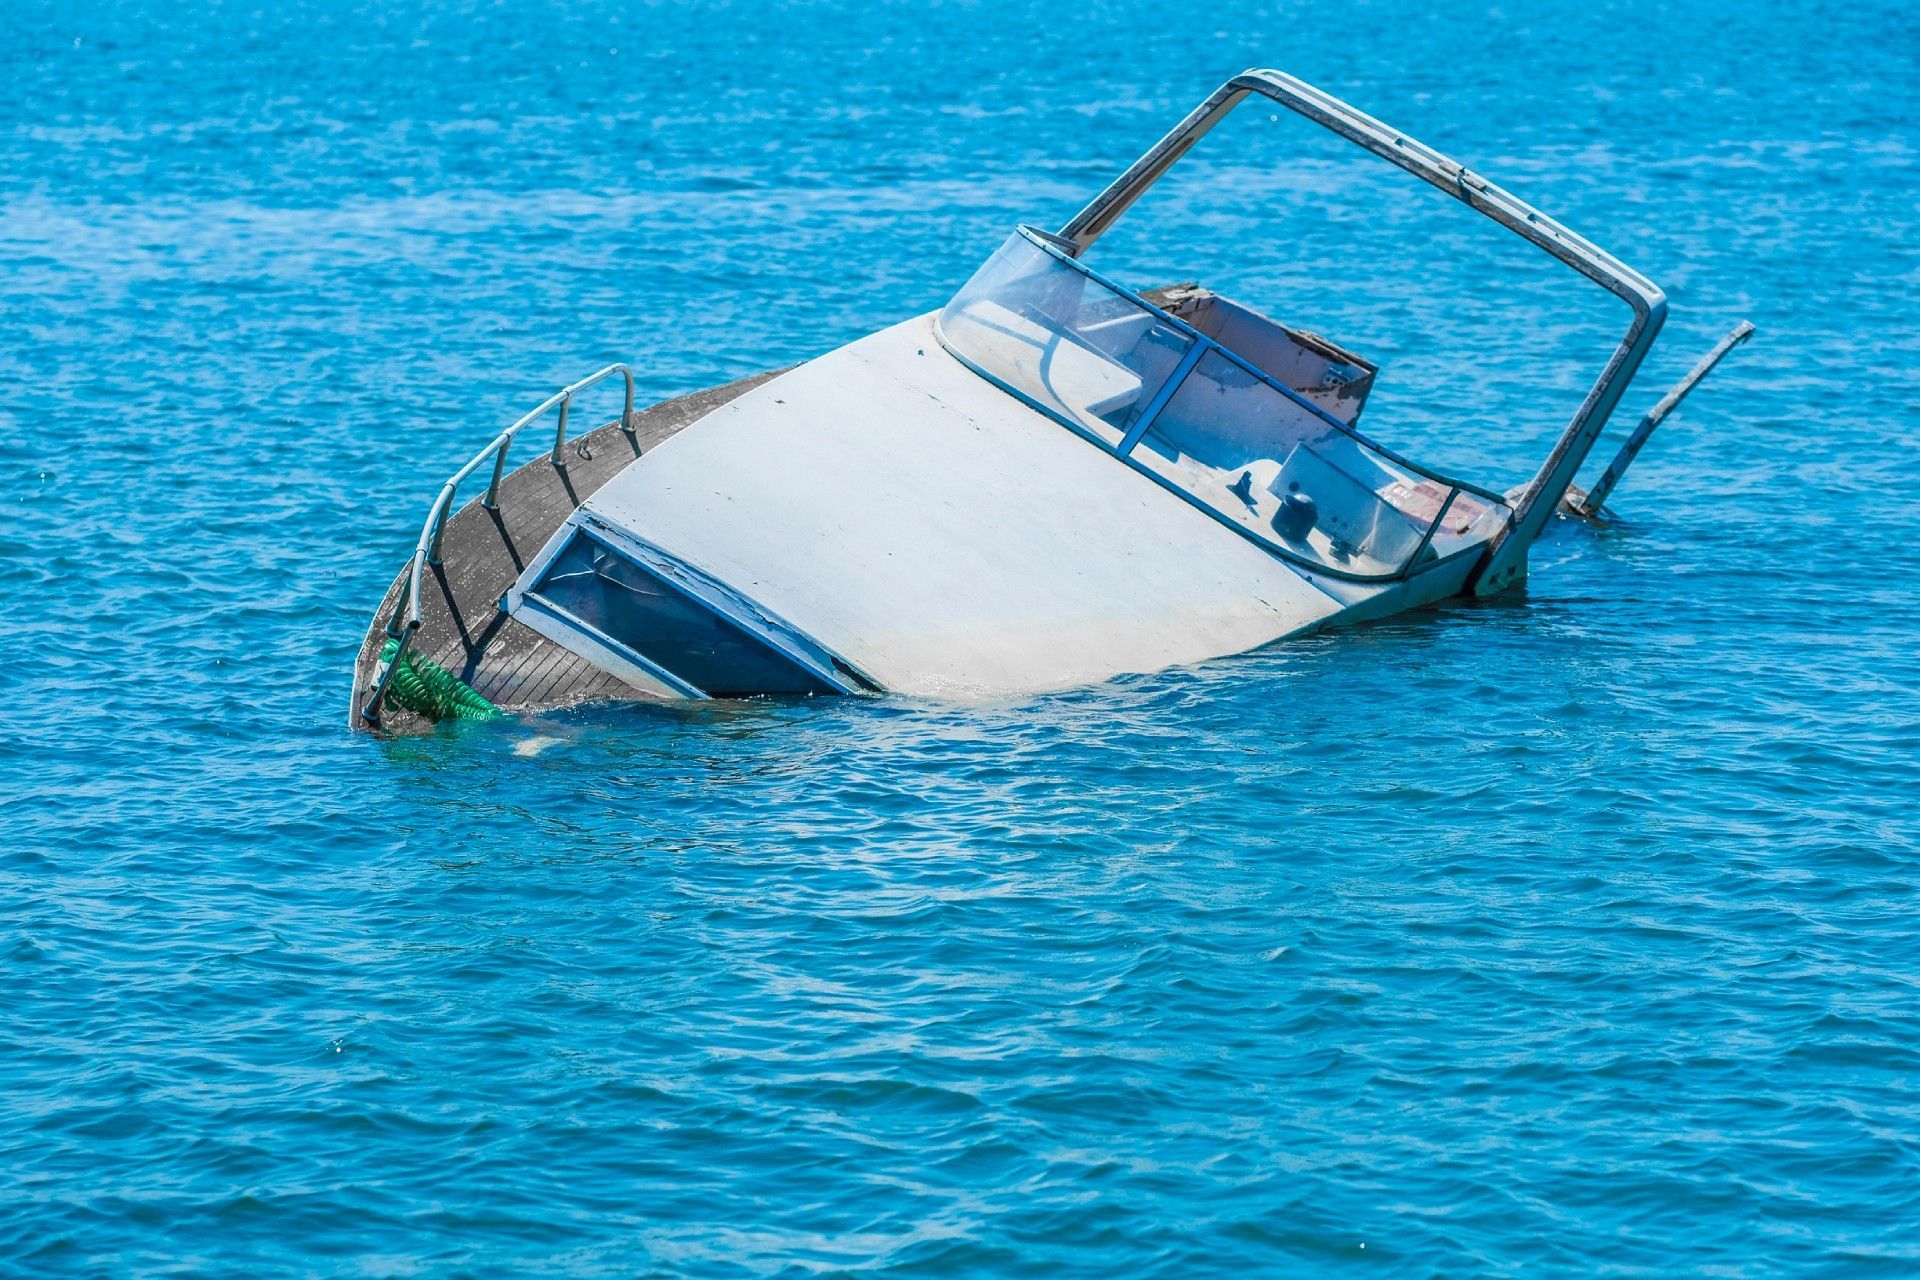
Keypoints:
(483, 550)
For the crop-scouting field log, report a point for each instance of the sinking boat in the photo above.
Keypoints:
(1051, 481)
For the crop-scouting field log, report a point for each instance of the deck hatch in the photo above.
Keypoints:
(666, 627)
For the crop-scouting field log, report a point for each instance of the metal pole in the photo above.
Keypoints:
(1597, 496)
(626, 413)
(492, 501)
(1426, 539)
(371, 711)
(560, 436)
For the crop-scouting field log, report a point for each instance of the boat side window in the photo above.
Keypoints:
(1058, 338)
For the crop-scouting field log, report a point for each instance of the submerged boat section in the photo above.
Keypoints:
(1052, 480)
(845, 500)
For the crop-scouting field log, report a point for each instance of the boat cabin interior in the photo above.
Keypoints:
(1251, 421)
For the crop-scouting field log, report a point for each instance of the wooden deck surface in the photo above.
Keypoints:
(482, 552)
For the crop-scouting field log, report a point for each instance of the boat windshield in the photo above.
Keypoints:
(1202, 420)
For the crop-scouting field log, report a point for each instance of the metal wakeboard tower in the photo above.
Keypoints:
(1535, 501)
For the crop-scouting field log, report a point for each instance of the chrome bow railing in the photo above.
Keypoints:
(405, 619)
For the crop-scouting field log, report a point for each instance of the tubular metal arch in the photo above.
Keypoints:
(1535, 501)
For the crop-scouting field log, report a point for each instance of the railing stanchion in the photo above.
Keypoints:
(560, 435)
(492, 501)
(371, 711)
(626, 413)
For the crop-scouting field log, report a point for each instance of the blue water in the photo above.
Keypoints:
(1567, 932)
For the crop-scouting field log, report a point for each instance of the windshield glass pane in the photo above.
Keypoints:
(1279, 465)
(1063, 340)
(1270, 464)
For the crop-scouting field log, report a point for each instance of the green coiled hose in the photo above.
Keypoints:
(426, 688)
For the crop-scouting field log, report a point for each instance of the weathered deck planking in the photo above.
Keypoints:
(483, 551)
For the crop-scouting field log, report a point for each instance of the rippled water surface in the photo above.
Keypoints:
(1571, 931)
